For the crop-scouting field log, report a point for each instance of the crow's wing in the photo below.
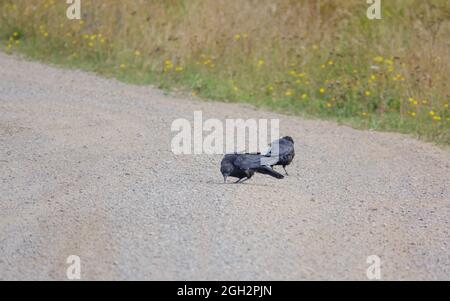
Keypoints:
(248, 161)
(269, 171)
(253, 161)
(259, 164)
(281, 147)
(269, 160)
(286, 148)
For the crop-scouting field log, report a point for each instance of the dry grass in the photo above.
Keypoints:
(322, 58)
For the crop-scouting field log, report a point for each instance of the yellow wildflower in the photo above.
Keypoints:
(168, 65)
(378, 59)
(398, 77)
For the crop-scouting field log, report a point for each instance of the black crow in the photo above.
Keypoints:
(283, 149)
(245, 165)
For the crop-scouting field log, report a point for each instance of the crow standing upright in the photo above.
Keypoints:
(245, 165)
(283, 149)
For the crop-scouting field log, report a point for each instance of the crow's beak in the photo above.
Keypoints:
(224, 179)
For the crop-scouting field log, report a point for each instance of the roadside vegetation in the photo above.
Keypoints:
(315, 58)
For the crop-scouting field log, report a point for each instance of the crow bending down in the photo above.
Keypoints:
(283, 149)
(245, 165)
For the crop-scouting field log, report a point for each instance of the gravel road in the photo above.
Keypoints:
(86, 168)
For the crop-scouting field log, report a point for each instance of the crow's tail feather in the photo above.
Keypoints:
(268, 171)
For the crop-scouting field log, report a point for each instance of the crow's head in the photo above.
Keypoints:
(226, 169)
(288, 138)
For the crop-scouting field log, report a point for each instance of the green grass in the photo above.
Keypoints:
(211, 89)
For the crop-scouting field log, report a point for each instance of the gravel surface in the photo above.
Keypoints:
(86, 168)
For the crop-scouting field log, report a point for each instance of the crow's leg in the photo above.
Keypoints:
(238, 181)
(284, 167)
(245, 180)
